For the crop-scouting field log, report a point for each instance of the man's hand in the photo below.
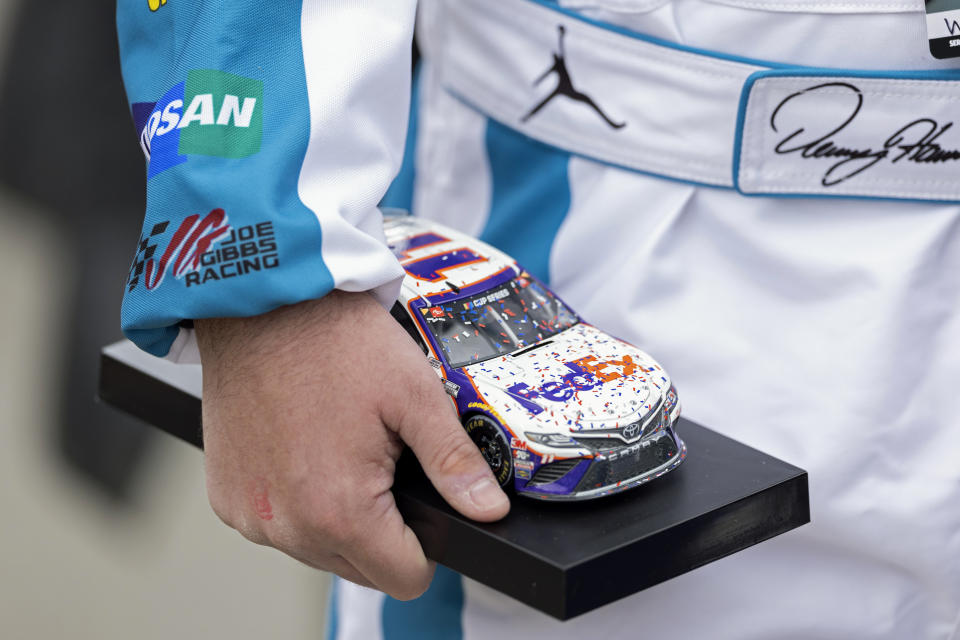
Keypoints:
(304, 411)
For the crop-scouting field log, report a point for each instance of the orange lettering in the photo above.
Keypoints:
(597, 368)
(627, 363)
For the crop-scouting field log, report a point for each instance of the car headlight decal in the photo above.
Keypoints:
(553, 439)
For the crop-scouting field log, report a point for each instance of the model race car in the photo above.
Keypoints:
(558, 408)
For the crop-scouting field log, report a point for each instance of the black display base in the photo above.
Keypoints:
(564, 559)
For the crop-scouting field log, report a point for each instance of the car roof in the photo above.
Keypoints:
(435, 256)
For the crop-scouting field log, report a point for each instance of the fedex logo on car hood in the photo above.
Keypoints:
(581, 380)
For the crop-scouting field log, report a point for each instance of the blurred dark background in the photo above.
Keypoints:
(67, 143)
(106, 528)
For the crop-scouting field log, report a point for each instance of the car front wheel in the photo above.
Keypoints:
(493, 446)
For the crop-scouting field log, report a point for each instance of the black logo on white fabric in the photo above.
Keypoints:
(915, 142)
(565, 86)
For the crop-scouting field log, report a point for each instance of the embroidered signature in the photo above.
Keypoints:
(914, 142)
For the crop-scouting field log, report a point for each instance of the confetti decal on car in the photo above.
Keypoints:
(582, 413)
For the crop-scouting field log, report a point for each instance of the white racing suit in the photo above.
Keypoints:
(761, 193)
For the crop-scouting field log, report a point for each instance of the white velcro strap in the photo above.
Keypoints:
(656, 107)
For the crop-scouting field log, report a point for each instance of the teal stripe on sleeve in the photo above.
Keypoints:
(219, 98)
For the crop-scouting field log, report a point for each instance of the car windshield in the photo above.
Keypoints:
(516, 314)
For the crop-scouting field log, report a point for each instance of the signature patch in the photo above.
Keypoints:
(852, 136)
(916, 141)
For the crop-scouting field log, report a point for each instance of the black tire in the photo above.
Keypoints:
(489, 438)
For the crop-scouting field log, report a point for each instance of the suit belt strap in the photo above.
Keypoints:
(656, 107)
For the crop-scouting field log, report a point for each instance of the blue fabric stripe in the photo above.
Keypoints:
(433, 616)
(333, 623)
(400, 193)
(531, 196)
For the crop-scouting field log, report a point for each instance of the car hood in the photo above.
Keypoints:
(580, 380)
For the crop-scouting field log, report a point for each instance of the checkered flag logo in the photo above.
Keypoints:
(145, 251)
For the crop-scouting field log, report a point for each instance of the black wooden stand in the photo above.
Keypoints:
(562, 558)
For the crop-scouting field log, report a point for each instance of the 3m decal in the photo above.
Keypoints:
(212, 113)
(202, 250)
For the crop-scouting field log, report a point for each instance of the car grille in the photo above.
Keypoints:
(553, 471)
(632, 461)
(601, 445)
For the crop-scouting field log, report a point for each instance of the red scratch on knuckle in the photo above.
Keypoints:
(261, 500)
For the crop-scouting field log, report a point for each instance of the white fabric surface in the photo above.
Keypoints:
(685, 114)
(357, 128)
(824, 332)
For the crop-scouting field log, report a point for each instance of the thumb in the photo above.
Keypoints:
(424, 418)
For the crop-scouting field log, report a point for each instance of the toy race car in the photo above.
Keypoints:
(558, 408)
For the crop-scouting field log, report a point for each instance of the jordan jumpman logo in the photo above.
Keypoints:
(565, 86)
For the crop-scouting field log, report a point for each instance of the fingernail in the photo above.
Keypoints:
(486, 495)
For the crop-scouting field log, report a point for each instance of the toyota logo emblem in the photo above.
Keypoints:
(631, 431)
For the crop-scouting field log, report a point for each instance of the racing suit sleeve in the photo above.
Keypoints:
(271, 130)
